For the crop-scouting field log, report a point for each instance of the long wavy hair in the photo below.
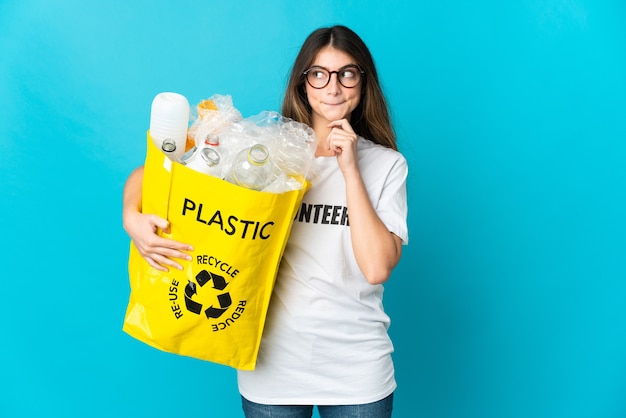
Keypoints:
(371, 118)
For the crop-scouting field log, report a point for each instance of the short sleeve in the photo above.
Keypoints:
(392, 206)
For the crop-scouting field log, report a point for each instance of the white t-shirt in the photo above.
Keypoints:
(325, 339)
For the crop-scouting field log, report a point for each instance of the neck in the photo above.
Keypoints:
(321, 132)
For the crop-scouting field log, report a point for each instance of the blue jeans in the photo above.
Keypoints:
(378, 409)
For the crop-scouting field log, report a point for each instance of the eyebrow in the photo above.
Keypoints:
(340, 68)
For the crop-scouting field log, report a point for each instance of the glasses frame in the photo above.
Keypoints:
(330, 74)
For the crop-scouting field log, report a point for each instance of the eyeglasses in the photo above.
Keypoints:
(348, 76)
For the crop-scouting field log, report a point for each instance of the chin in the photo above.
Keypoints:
(332, 116)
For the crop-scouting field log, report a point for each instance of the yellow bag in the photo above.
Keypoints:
(215, 308)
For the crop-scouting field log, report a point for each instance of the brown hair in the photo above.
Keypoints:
(371, 117)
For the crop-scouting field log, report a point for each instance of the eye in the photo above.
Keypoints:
(349, 73)
(318, 74)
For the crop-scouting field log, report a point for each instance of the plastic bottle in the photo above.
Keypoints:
(205, 159)
(295, 148)
(251, 168)
(168, 146)
(169, 119)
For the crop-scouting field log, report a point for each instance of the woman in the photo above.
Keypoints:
(325, 341)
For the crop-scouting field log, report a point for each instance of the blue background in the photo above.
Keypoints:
(510, 300)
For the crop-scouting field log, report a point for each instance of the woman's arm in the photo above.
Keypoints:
(142, 228)
(377, 250)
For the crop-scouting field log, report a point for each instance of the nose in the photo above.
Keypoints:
(334, 86)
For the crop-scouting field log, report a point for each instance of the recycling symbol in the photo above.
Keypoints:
(219, 283)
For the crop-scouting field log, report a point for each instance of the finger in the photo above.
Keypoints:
(336, 137)
(170, 253)
(160, 223)
(158, 242)
(154, 251)
(167, 261)
(161, 262)
(340, 140)
(156, 265)
(343, 124)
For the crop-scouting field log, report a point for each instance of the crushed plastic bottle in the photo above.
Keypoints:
(295, 148)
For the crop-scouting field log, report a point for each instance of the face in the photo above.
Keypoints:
(334, 101)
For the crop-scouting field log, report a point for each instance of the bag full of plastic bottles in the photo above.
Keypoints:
(230, 186)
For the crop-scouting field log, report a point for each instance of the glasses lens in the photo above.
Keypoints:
(317, 77)
(349, 76)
